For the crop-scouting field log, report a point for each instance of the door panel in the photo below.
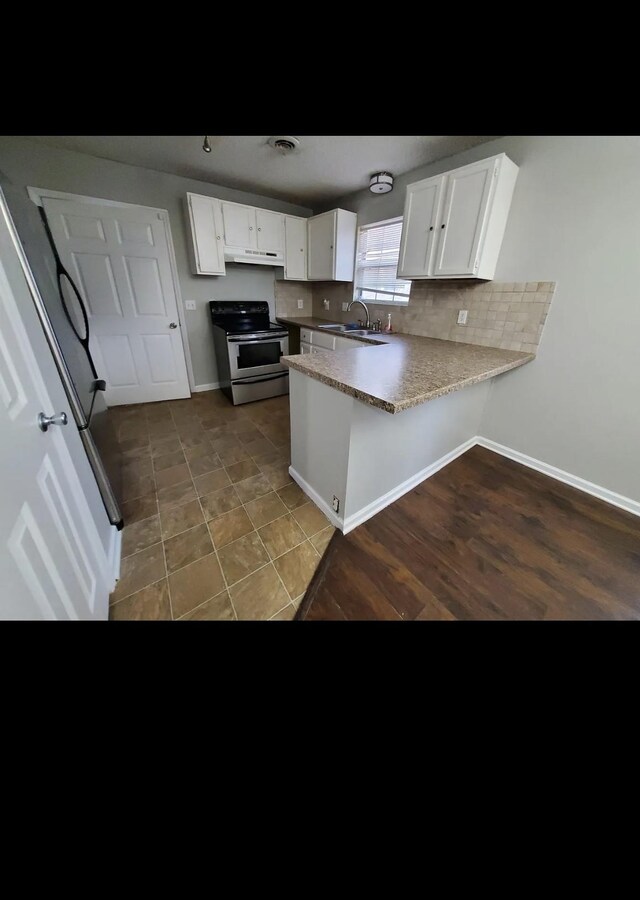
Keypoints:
(465, 213)
(143, 277)
(94, 279)
(114, 350)
(157, 350)
(421, 214)
(320, 250)
(52, 562)
(207, 233)
(239, 225)
(295, 248)
(124, 276)
(270, 230)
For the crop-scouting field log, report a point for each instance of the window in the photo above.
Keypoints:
(376, 276)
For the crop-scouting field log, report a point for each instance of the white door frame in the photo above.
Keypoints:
(36, 194)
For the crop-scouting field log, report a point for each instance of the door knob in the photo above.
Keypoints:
(172, 325)
(45, 421)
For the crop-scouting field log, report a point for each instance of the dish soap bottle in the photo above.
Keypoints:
(388, 329)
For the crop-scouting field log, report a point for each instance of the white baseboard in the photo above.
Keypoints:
(333, 517)
(207, 387)
(357, 518)
(115, 554)
(367, 512)
(581, 484)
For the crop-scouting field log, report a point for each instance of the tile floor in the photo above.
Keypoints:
(215, 527)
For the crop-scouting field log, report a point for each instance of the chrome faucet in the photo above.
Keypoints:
(367, 324)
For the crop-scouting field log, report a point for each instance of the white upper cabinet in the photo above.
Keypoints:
(239, 225)
(331, 246)
(454, 223)
(295, 248)
(421, 214)
(270, 230)
(205, 218)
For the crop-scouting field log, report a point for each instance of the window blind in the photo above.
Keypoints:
(377, 262)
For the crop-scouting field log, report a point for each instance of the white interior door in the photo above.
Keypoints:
(119, 259)
(52, 563)
(469, 192)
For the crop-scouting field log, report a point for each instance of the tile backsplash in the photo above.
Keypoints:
(287, 294)
(509, 315)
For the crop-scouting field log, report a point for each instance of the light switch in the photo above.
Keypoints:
(325, 303)
(300, 304)
(190, 304)
(462, 316)
(345, 306)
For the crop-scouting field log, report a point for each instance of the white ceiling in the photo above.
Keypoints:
(323, 168)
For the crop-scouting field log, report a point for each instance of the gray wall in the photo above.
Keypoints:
(24, 162)
(575, 220)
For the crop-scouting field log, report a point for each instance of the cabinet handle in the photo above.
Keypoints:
(259, 229)
(218, 237)
(301, 249)
(250, 227)
(442, 226)
(431, 228)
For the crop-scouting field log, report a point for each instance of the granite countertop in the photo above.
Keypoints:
(398, 371)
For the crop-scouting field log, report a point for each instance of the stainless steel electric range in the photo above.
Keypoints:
(248, 350)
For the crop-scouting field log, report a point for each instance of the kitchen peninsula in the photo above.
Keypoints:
(362, 431)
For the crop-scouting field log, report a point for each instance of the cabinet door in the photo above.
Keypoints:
(207, 235)
(295, 248)
(305, 348)
(468, 194)
(320, 259)
(239, 225)
(421, 214)
(324, 340)
(270, 227)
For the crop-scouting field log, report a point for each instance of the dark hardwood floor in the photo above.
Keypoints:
(484, 538)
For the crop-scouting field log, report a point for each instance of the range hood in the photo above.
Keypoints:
(256, 257)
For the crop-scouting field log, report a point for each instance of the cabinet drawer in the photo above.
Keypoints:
(323, 340)
(305, 347)
(306, 335)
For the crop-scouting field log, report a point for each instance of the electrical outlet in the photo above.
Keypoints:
(462, 316)
(336, 504)
(190, 304)
(345, 306)
(325, 303)
(300, 304)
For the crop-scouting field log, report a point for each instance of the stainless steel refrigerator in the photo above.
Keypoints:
(65, 323)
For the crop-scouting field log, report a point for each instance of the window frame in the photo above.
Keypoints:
(357, 291)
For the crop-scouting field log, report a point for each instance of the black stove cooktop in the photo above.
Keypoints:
(241, 317)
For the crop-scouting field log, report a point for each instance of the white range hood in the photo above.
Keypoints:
(255, 257)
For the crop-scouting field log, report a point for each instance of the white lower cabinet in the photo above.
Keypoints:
(319, 341)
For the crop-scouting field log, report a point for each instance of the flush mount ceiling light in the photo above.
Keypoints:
(284, 143)
(381, 183)
(206, 146)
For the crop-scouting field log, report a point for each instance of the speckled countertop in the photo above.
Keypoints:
(398, 371)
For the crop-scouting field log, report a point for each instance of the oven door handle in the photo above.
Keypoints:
(258, 380)
(272, 340)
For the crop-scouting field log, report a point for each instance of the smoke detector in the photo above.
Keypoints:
(381, 183)
(284, 143)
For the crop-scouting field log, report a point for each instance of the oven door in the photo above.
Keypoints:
(255, 355)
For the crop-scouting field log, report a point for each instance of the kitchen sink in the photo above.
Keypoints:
(348, 329)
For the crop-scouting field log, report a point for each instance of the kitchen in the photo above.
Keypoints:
(500, 344)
